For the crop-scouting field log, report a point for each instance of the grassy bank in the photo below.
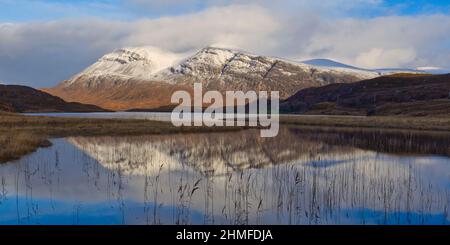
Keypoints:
(20, 135)
(16, 144)
(377, 122)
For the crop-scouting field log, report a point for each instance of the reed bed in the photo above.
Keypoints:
(310, 182)
(161, 179)
(377, 122)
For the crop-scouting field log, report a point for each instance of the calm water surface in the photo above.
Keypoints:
(159, 116)
(222, 178)
(156, 116)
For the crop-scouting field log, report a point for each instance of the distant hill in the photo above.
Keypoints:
(401, 94)
(327, 63)
(330, 63)
(16, 98)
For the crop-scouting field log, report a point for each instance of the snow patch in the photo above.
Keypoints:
(151, 64)
(132, 62)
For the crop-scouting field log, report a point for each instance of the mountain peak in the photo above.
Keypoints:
(223, 51)
(130, 54)
(214, 55)
(130, 62)
(219, 48)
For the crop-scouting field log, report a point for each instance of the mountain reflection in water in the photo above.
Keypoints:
(223, 178)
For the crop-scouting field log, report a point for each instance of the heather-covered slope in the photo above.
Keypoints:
(15, 98)
(388, 95)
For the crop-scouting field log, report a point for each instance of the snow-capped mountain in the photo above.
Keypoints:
(139, 63)
(145, 77)
(229, 69)
(151, 64)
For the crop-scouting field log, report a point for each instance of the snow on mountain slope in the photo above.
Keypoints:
(213, 62)
(150, 63)
(145, 77)
(139, 63)
(217, 63)
(153, 64)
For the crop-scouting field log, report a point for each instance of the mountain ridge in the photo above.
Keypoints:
(145, 77)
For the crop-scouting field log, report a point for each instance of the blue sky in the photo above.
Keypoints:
(43, 42)
(419, 6)
(42, 10)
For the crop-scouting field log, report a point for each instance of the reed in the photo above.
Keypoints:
(377, 122)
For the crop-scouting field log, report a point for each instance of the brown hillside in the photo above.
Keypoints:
(15, 98)
(416, 95)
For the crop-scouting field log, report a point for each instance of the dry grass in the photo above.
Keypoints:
(378, 122)
(16, 144)
(20, 134)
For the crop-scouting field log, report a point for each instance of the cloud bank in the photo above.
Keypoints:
(44, 53)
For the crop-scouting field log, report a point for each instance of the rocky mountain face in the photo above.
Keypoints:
(400, 94)
(15, 98)
(145, 77)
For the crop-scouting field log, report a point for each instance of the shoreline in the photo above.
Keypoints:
(369, 122)
(435, 123)
(22, 134)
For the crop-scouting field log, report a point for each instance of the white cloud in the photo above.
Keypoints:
(44, 53)
(385, 41)
(245, 26)
(377, 57)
